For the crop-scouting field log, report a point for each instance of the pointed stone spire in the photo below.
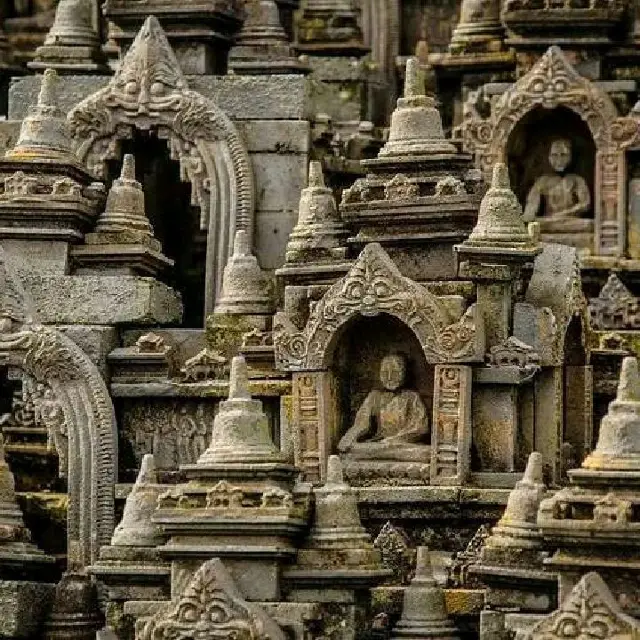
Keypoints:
(123, 240)
(44, 134)
(136, 528)
(500, 221)
(262, 45)
(337, 542)
(240, 431)
(72, 44)
(125, 209)
(424, 613)
(416, 125)
(618, 447)
(517, 527)
(319, 232)
(337, 521)
(246, 289)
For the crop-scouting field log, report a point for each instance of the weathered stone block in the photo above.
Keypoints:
(23, 606)
(103, 300)
(241, 97)
(272, 229)
(37, 256)
(279, 180)
(275, 136)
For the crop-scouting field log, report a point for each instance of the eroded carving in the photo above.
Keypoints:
(589, 611)
(374, 285)
(211, 606)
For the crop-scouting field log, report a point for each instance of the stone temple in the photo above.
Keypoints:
(320, 320)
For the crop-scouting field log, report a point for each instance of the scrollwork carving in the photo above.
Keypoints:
(590, 611)
(211, 606)
(552, 82)
(374, 285)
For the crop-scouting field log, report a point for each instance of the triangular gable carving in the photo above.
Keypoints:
(615, 307)
(210, 607)
(374, 285)
(589, 611)
(551, 82)
(79, 415)
(150, 92)
(615, 289)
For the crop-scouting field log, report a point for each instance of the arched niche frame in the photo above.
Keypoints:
(150, 93)
(553, 82)
(372, 287)
(87, 421)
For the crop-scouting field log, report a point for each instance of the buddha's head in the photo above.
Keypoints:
(560, 154)
(393, 370)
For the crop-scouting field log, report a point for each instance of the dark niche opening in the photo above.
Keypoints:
(176, 223)
(357, 354)
(530, 142)
(577, 434)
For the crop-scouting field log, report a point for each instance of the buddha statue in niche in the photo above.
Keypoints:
(392, 422)
(566, 195)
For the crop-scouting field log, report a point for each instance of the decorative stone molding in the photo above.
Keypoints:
(211, 606)
(590, 610)
(373, 286)
(150, 92)
(80, 405)
(553, 82)
(513, 352)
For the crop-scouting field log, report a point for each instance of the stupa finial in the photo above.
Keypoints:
(241, 243)
(413, 79)
(316, 176)
(533, 472)
(500, 177)
(239, 379)
(128, 167)
(629, 383)
(48, 95)
(334, 470)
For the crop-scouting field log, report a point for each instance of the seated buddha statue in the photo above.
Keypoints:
(563, 194)
(392, 422)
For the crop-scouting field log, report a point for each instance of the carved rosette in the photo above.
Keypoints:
(149, 92)
(552, 82)
(374, 285)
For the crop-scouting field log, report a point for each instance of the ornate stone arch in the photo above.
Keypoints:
(85, 415)
(150, 93)
(373, 286)
(553, 82)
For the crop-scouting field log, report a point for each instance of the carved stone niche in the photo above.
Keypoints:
(336, 361)
(553, 86)
(149, 94)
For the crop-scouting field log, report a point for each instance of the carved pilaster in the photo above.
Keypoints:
(451, 431)
(310, 423)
